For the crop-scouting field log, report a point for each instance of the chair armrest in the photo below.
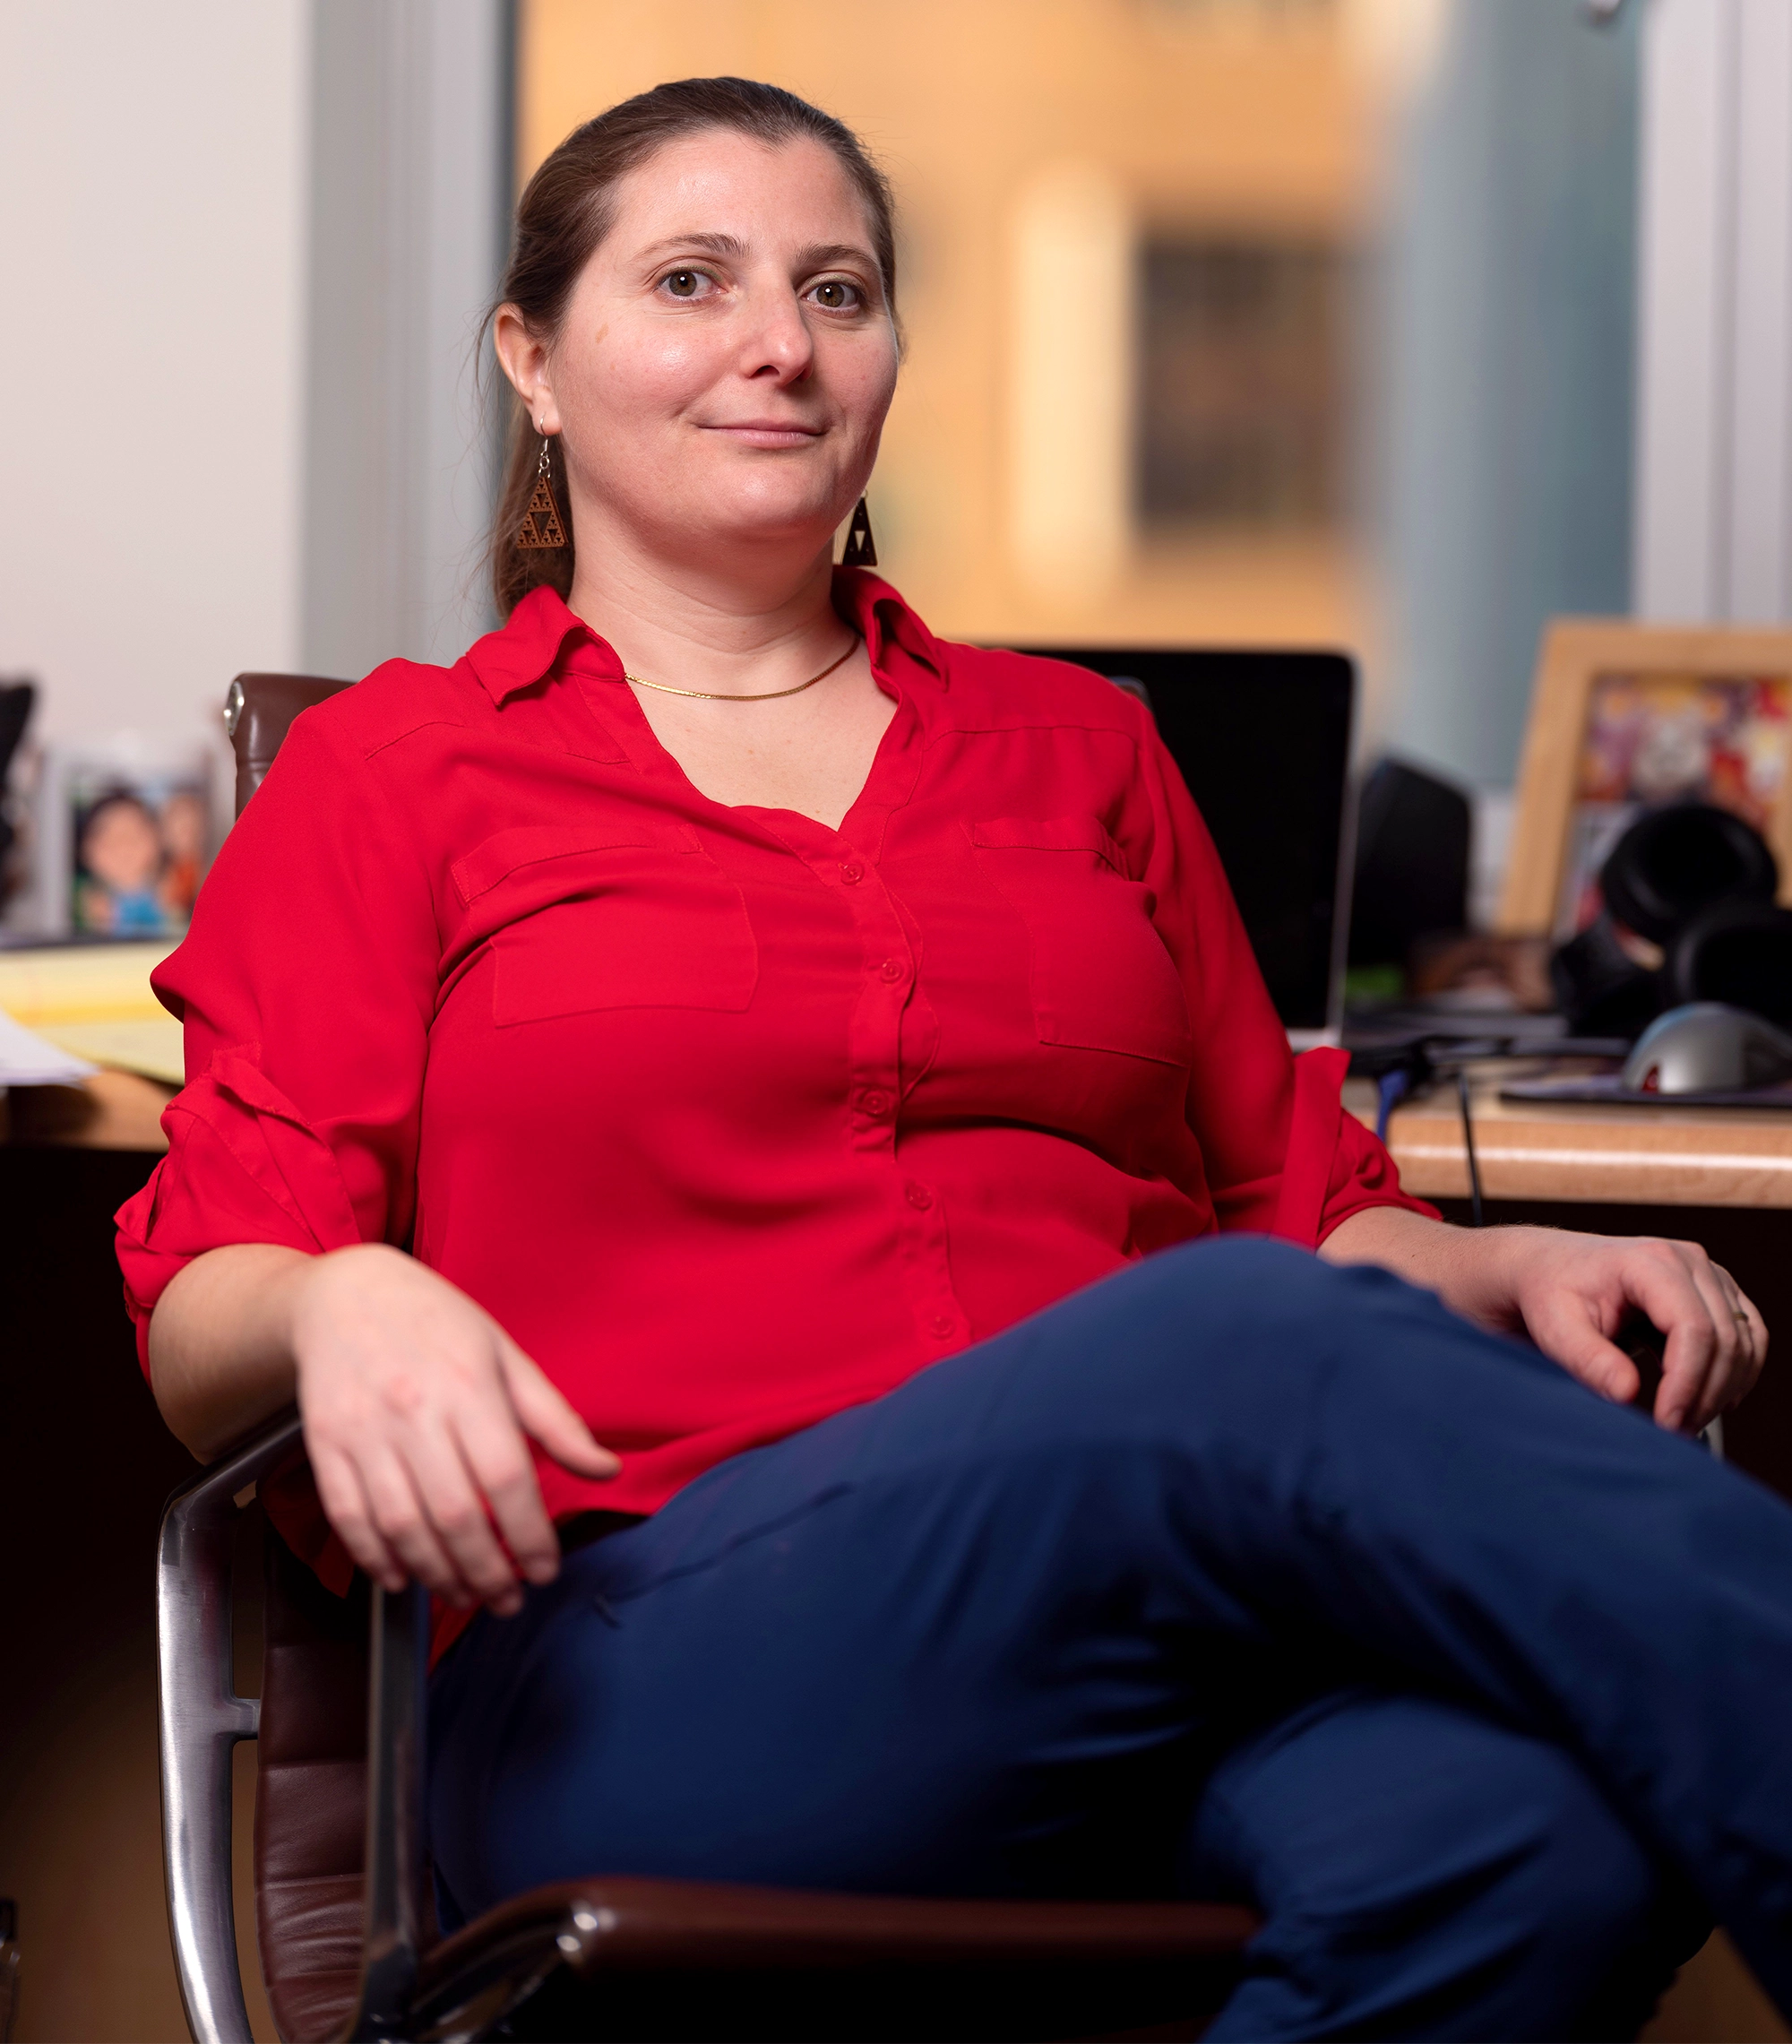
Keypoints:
(395, 1862)
(200, 1719)
(799, 1965)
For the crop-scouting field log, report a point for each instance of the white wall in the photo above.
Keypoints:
(152, 202)
(244, 248)
(1713, 514)
(411, 200)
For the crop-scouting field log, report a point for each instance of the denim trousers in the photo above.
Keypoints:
(1234, 1576)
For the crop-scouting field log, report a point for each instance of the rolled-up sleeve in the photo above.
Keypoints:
(1281, 1155)
(305, 987)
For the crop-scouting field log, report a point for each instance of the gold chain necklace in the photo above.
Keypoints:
(767, 695)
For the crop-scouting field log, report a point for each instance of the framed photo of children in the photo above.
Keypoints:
(1628, 717)
(122, 841)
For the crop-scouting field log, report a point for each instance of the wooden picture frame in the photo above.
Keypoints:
(1709, 673)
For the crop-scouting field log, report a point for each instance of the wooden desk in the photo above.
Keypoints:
(1616, 1156)
(112, 1111)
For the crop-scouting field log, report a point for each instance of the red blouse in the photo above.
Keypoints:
(731, 1119)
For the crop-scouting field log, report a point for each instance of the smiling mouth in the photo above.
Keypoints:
(769, 432)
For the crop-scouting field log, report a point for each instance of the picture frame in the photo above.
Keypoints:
(1624, 716)
(120, 839)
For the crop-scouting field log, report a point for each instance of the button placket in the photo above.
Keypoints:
(873, 1087)
(875, 1100)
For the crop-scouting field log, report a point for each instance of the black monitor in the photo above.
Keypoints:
(1264, 742)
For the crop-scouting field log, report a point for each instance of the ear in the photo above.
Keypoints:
(524, 358)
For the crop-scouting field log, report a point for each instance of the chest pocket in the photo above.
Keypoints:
(624, 915)
(1099, 975)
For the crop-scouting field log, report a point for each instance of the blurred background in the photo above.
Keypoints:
(1397, 325)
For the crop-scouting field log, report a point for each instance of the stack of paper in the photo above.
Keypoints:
(26, 1060)
(90, 1002)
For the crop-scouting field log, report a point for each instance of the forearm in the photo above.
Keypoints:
(1466, 1268)
(221, 1342)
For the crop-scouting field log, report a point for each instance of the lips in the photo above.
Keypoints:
(768, 431)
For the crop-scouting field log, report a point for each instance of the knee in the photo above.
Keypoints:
(1238, 1293)
(1580, 1884)
(1260, 1317)
(1599, 1924)
(1424, 1873)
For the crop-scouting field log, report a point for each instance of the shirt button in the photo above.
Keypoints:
(892, 971)
(875, 1102)
(918, 1195)
(940, 1325)
(852, 873)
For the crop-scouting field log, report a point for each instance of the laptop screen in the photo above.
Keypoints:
(1264, 742)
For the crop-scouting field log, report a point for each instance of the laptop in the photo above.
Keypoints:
(1264, 741)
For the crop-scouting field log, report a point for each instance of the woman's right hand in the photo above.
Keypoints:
(419, 1408)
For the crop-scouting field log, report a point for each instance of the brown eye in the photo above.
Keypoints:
(836, 295)
(684, 283)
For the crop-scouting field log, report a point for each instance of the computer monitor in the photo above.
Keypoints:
(1264, 742)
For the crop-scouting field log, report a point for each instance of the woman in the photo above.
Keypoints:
(623, 1063)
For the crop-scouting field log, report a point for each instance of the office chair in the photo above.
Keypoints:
(345, 1925)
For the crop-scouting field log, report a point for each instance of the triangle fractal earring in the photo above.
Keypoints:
(860, 550)
(541, 527)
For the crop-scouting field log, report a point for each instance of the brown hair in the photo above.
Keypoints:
(564, 213)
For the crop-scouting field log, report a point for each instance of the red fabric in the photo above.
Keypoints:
(731, 1119)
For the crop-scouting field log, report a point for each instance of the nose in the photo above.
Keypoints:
(781, 350)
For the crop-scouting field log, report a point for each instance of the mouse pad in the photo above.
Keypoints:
(1605, 1088)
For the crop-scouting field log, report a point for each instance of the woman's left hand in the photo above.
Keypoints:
(1570, 1294)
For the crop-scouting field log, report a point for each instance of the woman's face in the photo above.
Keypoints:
(727, 358)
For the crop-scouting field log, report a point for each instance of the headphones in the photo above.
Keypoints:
(1689, 916)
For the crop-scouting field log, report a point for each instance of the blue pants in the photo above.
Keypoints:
(1235, 1574)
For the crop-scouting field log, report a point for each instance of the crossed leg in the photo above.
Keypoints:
(992, 1632)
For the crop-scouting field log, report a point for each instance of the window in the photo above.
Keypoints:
(1241, 384)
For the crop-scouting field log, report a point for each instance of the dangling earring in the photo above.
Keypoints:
(541, 527)
(860, 550)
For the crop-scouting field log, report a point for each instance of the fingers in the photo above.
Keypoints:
(1571, 1337)
(548, 1418)
(458, 1523)
(1573, 1293)
(1676, 1285)
(1730, 1345)
(418, 1410)
(1750, 1325)
(395, 1496)
(498, 1460)
(1751, 1336)
(421, 1515)
(345, 1505)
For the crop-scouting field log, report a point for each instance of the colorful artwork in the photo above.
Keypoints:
(1651, 739)
(139, 845)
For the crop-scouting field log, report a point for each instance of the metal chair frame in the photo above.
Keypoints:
(461, 1988)
(202, 1720)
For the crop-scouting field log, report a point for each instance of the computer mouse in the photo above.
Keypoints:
(1707, 1047)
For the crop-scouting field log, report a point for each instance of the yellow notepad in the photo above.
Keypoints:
(93, 1000)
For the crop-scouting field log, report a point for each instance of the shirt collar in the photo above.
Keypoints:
(531, 646)
(884, 619)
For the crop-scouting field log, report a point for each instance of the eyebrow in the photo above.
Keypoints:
(712, 244)
(820, 255)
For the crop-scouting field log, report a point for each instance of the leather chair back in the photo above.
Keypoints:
(258, 713)
(311, 1757)
(311, 1774)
